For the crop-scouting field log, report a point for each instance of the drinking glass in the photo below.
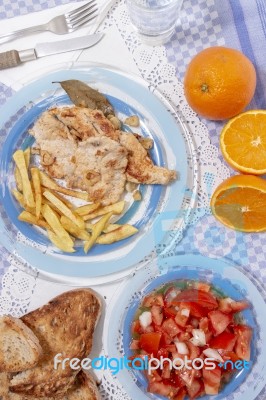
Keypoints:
(154, 20)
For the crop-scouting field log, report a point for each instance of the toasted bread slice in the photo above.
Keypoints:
(64, 326)
(19, 347)
(84, 388)
(4, 383)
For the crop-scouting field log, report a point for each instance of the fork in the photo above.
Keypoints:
(61, 24)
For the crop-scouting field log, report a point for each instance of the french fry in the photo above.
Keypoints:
(37, 190)
(50, 184)
(19, 159)
(18, 178)
(123, 232)
(55, 224)
(26, 216)
(64, 209)
(87, 209)
(96, 231)
(62, 198)
(116, 208)
(19, 197)
(59, 243)
(73, 229)
(109, 228)
(53, 207)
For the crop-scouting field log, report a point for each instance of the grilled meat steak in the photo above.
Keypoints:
(81, 146)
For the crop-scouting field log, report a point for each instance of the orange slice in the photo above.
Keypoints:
(243, 142)
(240, 203)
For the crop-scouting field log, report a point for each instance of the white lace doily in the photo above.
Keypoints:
(18, 286)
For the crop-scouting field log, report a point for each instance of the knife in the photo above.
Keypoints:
(13, 58)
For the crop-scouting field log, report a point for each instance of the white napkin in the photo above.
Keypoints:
(110, 50)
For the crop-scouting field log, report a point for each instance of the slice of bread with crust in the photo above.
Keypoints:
(63, 326)
(19, 347)
(4, 385)
(84, 388)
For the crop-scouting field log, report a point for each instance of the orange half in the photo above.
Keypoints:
(240, 203)
(243, 142)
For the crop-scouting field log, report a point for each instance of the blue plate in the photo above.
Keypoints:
(228, 279)
(172, 149)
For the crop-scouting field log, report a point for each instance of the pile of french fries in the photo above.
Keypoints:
(45, 205)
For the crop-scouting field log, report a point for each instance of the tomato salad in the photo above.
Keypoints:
(194, 320)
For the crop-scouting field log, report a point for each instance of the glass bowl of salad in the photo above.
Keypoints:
(189, 327)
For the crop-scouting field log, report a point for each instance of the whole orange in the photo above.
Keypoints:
(219, 83)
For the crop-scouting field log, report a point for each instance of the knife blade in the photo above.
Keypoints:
(12, 58)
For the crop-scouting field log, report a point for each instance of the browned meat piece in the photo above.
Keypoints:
(140, 168)
(100, 169)
(82, 146)
(83, 152)
(84, 123)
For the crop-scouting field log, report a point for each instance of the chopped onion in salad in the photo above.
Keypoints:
(145, 319)
(181, 347)
(199, 337)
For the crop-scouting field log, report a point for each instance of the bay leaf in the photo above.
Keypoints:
(83, 95)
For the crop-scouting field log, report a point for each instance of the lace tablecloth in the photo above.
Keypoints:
(202, 24)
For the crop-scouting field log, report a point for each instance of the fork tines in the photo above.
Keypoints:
(82, 15)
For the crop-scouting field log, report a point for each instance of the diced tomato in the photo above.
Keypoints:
(225, 341)
(149, 329)
(188, 376)
(170, 295)
(162, 389)
(169, 326)
(157, 315)
(171, 348)
(150, 342)
(205, 326)
(205, 287)
(244, 336)
(134, 345)
(170, 312)
(155, 376)
(180, 319)
(212, 380)
(166, 372)
(229, 355)
(219, 321)
(228, 305)
(166, 339)
(195, 309)
(194, 322)
(153, 300)
(162, 352)
(171, 323)
(183, 336)
(181, 394)
(136, 327)
(194, 351)
(195, 389)
(204, 299)
(176, 380)
(238, 306)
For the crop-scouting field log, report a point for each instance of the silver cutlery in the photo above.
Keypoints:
(61, 24)
(13, 58)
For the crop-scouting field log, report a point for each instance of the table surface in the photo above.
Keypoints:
(240, 24)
